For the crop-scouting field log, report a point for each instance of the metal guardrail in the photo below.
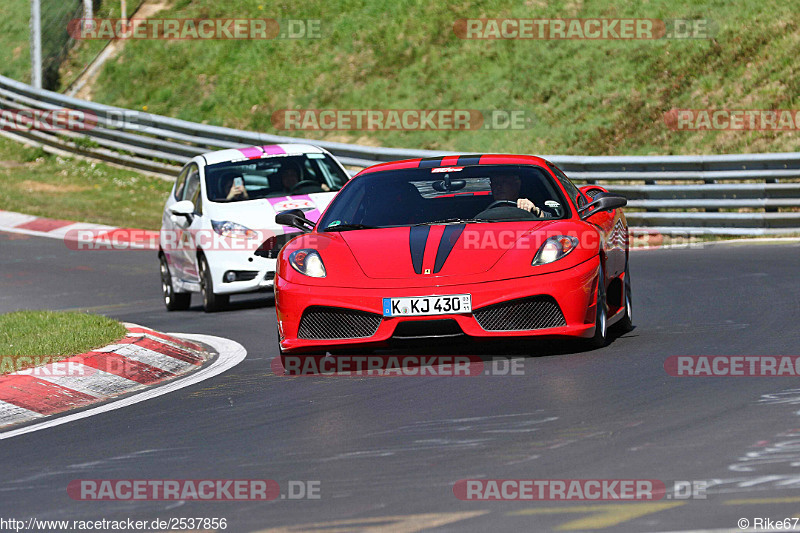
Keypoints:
(736, 194)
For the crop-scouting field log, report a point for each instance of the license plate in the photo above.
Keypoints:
(427, 305)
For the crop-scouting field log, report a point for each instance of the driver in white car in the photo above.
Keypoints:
(290, 176)
(234, 184)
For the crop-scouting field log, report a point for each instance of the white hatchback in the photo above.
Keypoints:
(218, 231)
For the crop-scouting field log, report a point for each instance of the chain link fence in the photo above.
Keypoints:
(56, 40)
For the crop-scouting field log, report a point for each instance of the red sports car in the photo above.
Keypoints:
(489, 246)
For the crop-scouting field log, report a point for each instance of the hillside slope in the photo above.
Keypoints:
(585, 96)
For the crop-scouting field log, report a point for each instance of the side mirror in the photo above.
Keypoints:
(294, 218)
(602, 202)
(184, 208)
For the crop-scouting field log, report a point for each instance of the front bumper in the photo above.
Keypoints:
(261, 269)
(573, 290)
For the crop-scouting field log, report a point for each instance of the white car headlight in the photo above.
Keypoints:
(307, 262)
(227, 228)
(554, 249)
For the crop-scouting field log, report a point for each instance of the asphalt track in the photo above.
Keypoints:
(387, 451)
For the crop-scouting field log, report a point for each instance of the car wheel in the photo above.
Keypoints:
(626, 322)
(211, 301)
(175, 301)
(600, 327)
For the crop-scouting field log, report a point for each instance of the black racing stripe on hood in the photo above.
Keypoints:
(417, 239)
(449, 238)
(431, 163)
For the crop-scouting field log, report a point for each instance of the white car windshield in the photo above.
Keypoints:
(275, 176)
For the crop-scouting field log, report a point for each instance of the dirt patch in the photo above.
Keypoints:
(37, 186)
(11, 164)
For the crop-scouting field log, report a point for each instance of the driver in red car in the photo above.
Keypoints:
(506, 189)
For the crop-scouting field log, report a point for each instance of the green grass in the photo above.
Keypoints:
(15, 57)
(31, 337)
(587, 97)
(40, 184)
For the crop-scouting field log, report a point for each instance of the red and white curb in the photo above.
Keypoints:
(69, 231)
(141, 359)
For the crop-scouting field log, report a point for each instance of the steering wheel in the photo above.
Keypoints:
(304, 183)
(498, 203)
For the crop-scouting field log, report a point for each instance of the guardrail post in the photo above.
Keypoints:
(36, 44)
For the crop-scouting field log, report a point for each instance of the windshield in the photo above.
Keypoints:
(274, 176)
(480, 193)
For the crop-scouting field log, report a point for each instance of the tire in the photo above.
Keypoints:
(174, 301)
(600, 324)
(626, 322)
(211, 301)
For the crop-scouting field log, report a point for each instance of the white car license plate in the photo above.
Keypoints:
(427, 305)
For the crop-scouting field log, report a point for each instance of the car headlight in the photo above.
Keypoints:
(307, 262)
(554, 249)
(227, 228)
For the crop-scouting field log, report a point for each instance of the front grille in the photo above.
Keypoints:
(536, 312)
(337, 323)
(427, 328)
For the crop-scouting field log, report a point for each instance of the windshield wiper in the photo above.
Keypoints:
(347, 227)
(454, 221)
